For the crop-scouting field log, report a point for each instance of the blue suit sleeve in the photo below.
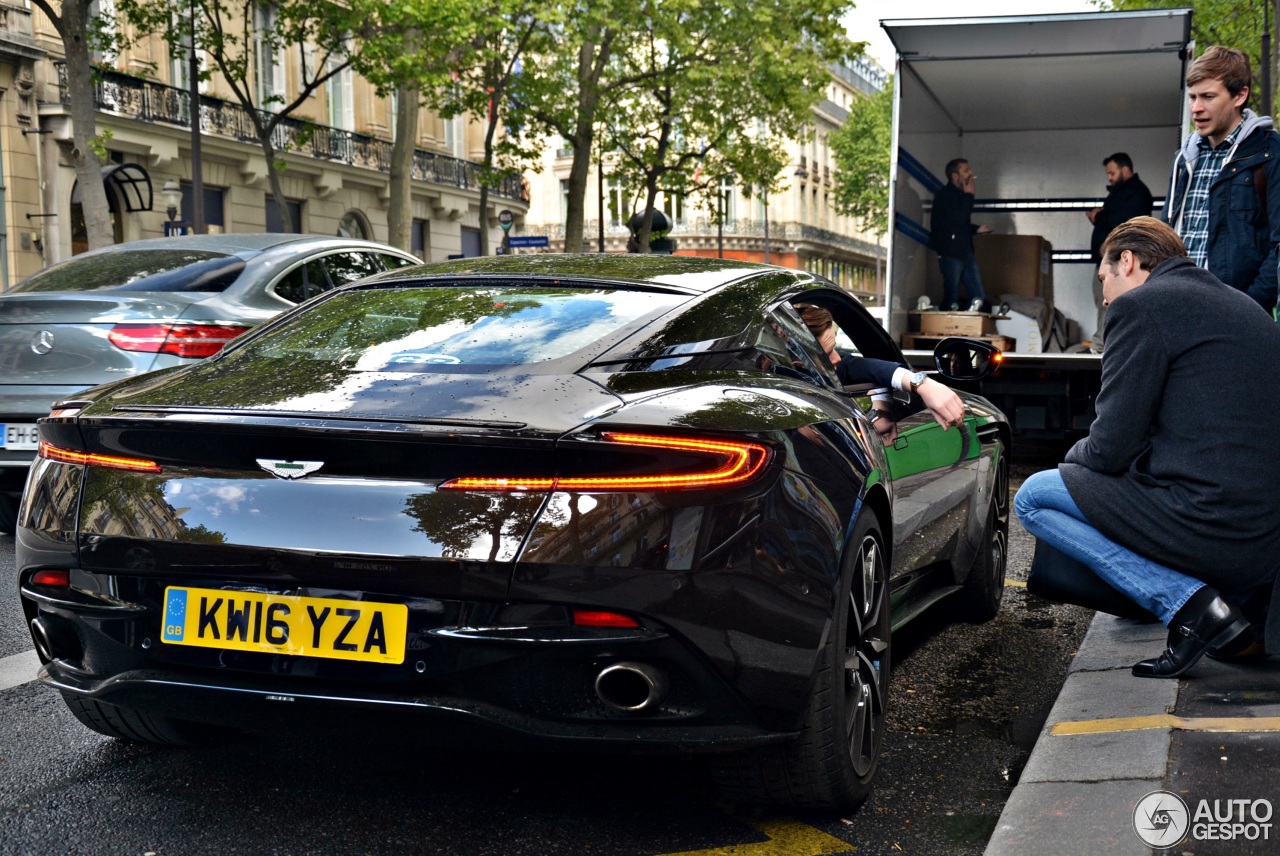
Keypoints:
(853, 370)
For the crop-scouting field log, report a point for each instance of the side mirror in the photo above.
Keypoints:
(966, 359)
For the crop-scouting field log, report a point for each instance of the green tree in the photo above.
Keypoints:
(566, 88)
(80, 33)
(861, 149)
(242, 38)
(483, 76)
(1232, 23)
(722, 84)
(407, 49)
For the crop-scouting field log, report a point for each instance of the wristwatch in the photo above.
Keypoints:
(917, 379)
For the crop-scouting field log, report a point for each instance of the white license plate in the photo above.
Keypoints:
(19, 437)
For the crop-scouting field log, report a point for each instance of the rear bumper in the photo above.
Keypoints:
(531, 689)
(263, 705)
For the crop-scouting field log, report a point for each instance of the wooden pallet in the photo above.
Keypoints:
(927, 341)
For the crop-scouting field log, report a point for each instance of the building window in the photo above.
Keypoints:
(104, 11)
(727, 195)
(275, 223)
(339, 94)
(470, 243)
(420, 239)
(455, 131)
(564, 200)
(355, 225)
(617, 200)
(673, 205)
(214, 215)
(268, 57)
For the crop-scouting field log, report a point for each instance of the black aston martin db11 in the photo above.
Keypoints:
(620, 500)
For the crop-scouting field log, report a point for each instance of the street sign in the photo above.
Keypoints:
(505, 219)
(173, 228)
(529, 241)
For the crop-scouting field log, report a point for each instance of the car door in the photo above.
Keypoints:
(932, 470)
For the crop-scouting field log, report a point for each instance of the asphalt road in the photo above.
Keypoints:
(966, 705)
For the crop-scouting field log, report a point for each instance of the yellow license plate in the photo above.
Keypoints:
(285, 624)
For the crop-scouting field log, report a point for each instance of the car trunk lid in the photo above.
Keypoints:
(64, 339)
(305, 487)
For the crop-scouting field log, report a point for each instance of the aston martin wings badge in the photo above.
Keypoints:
(290, 469)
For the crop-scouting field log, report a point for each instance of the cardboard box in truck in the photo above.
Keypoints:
(1015, 264)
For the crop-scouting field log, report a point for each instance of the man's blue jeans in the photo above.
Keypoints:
(1048, 512)
(953, 271)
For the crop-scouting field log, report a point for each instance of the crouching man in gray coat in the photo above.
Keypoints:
(1173, 499)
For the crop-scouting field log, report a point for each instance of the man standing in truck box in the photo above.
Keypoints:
(1224, 191)
(952, 236)
(1127, 197)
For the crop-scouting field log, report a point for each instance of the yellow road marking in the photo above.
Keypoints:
(1224, 724)
(786, 838)
(1018, 583)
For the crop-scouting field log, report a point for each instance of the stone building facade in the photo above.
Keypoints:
(336, 165)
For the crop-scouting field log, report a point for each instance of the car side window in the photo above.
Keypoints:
(391, 262)
(789, 349)
(349, 267)
(858, 334)
(303, 282)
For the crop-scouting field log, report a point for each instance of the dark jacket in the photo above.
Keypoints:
(949, 228)
(1242, 236)
(853, 370)
(1128, 199)
(1180, 464)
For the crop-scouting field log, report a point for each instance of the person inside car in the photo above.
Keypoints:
(947, 407)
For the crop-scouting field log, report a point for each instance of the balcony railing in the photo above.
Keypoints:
(134, 98)
(742, 228)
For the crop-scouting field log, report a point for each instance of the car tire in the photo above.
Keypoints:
(984, 587)
(8, 514)
(830, 765)
(137, 726)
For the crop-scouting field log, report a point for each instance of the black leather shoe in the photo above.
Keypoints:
(1247, 646)
(1207, 621)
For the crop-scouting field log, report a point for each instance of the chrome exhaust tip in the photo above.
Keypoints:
(631, 687)
(54, 640)
(40, 635)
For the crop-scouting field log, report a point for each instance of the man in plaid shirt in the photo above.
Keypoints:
(1224, 193)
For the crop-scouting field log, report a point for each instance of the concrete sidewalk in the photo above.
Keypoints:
(1112, 739)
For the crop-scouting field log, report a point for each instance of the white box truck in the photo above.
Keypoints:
(1034, 103)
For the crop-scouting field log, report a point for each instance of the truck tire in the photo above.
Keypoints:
(830, 765)
(137, 726)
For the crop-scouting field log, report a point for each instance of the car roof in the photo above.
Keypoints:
(689, 274)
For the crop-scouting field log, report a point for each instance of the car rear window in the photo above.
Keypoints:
(139, 270)
(433, 329)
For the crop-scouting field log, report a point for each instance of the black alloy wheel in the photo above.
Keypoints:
(831, 764)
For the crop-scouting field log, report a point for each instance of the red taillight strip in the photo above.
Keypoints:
(93, 459)
(743, 461)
